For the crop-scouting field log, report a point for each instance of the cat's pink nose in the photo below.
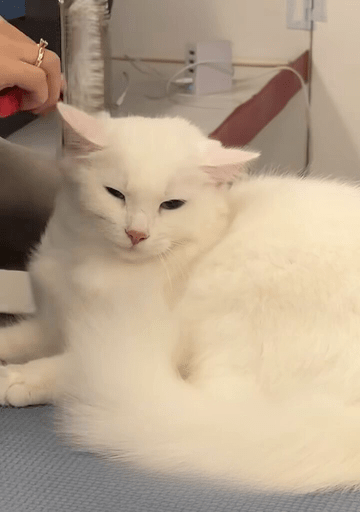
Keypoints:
(136, 236)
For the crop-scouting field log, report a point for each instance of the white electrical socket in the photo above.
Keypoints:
(210, 79)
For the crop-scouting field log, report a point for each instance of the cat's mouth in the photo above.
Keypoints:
(141, 251)
(136, 253)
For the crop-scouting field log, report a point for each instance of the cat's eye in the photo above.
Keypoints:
(116, 193)
(173, 204)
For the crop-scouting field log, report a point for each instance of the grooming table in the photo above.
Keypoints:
(39, 474)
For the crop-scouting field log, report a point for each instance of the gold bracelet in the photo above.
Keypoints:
(42, 45)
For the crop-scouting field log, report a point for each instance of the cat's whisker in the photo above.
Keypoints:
(162, 260)
(178, 243)
(175, 260)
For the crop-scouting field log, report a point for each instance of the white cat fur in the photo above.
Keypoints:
(226, 345)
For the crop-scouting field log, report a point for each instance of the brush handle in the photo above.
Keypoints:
(10, 101)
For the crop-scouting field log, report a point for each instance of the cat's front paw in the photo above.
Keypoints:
(13, 389)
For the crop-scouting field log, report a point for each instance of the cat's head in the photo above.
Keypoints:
(150, 186)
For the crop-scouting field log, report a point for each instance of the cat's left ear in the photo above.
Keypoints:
(224, 165)
(87, 133)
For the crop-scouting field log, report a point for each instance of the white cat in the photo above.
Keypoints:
(184, 324)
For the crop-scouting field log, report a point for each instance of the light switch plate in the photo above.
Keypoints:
(319, 12)
(301, 14)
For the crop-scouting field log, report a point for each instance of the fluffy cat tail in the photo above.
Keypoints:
(175, 428)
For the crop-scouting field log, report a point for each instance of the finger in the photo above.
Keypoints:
(51, 66)
(63, 83)
(18, 50)
(29, 78)
(13, 33)
(45, 112)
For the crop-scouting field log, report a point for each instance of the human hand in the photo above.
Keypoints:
(41, 85)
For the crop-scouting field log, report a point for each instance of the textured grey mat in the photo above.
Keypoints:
(38, 474)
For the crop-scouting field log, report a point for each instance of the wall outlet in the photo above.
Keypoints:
(210, 79)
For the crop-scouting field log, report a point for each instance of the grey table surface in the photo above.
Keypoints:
(38, 473)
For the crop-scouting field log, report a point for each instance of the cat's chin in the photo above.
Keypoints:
(137, 255)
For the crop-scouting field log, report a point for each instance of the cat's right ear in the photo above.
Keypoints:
(85, 133)
(224, 165)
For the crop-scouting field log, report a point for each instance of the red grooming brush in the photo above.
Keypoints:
(10, 101)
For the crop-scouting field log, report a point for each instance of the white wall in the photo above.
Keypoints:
(161, 28)
(336, 91)
(257, 28)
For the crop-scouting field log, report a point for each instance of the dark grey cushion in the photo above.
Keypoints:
(39, 474)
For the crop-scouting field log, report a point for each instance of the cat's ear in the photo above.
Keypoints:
(86, 133)
(224, 165)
